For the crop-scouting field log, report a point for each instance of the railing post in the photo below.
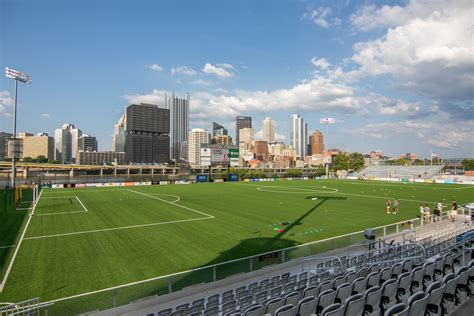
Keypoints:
(114, 297)
(214, 275)
(397, 228)
(385, 231)
(170, 289)
(283, 256)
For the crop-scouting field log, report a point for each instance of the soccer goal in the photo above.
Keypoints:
(26, 196)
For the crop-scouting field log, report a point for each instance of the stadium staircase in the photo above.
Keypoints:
(429, 272)
(397, 172)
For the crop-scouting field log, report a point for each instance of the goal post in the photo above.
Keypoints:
(26, 196)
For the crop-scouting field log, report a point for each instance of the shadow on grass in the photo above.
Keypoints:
(11, 225)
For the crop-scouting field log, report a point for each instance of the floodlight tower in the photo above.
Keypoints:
(25, 78)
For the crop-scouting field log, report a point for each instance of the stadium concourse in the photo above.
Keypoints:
(424, 271)
(399, 172)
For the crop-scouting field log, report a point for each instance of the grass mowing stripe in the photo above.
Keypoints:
(116, 228)
(173, 203)
(10, 265)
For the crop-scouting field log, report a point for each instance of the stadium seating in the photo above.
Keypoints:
(398, 172)
(435, 286)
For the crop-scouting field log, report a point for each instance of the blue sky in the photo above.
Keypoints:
(398, 75)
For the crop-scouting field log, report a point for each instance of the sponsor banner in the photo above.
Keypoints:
(246, 180)
(220, 156)
(234, 153)
(205, 157)
(164, 183)
(327, 120)
(234, 162)
(440, 181)
(56, 186)
(449, 181)
(91, 185)
(129, 184)
(218, 180)
(205, 161)
(352, 178)
(80, 185)
(202, 178)
(233, 177)
(181, 182)
(428, 180)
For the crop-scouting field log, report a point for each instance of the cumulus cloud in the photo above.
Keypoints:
(183, 70)
(154, 97)
(278, 137)
(5, 101)
(427, 49)
(320, 63)
(45, 116)
(154, 67)
(221, 72)
(439, 134)
(202, 82)
(319, 16)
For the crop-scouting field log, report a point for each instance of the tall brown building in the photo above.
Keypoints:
(261, 150)
(241, 122)
(316, 143)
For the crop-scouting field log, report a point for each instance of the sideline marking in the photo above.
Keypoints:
(3, 247)
(173, 203)
(116, 228)
(469, 187)
(10, 265)
(82, 204)
(305, 191)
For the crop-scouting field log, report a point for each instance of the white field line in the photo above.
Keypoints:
(3, 247)
(89, 190)
(172, 203)
(116, 228)
(24, 208)
(412, 185)
(82, 204)
(10, 265)
(469, 187)
(58, 197)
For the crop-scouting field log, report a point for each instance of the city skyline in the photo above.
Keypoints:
(320, 60)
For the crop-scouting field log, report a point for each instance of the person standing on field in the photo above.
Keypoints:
(422, 213)
(387, 206)
(395, 206)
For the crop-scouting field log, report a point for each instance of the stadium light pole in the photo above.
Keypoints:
(327, 121)
(25, 78)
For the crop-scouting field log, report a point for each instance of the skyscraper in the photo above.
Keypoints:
(197, 136)
(242, 122)
(118, 142)
(316, 143)
(218, 129)
(298, 136)
(75, 135)
(87, 143)
(246, 135)
(63, 143)
(147, 134)
(179, 125)
(269, 130)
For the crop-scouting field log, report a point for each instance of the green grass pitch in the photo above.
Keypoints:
(81, 240)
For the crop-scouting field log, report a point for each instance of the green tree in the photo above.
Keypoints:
(357, 161)
(468, 164)
(341, 162)
(293, 173)
(56, 162)
(41, 159)
(28, 159)
(401, 162)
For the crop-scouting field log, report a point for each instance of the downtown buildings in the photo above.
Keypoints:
(240, 123)
(298, 136)
(179, 125)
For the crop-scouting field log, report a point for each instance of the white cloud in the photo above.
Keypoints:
(202, 82)
(183, 70)
(320, 63)
(427, 50)
(229, 66)
(5, 101)
(155, 97)
(318, 16)
(154, 67)
(221, 72)
(278, 137)
(45, 116)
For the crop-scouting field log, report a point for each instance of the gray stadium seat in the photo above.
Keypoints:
(389, 293)
(448, 264)
(292, 298)
(462, 289)
(213, 311)
(400, 309)
(438, 269)
(417, 279)
(435, 290)
(385, 274)
(254, 310)
(471, 278)
(360, 285)
(325, 299)
(273, 304)
(396, 270)
(325, 285)
(333, 310)
(350, 277)
(338, 281)
(343, 291)
(286, 310)
(165, 312)
(417, 303)
(364, 272)
(373, 279)
(229, 306)
(407, 265)
(307, 306)
(449, 295)
(373, 296)
(311, 291)
(354, 305)
(404, 282)
(428, 275)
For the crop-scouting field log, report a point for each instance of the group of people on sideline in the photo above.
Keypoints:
(425, 212)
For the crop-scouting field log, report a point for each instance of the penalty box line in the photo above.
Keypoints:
(73, 212)
(173, 203)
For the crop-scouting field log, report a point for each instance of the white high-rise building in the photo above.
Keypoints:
(196, 137)
(299, 136)
(246, 135)
(269, 130)
(118, 142)
(179, 125)
(75, 135)
(63, 143)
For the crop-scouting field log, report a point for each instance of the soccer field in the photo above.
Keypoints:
(82, 240)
